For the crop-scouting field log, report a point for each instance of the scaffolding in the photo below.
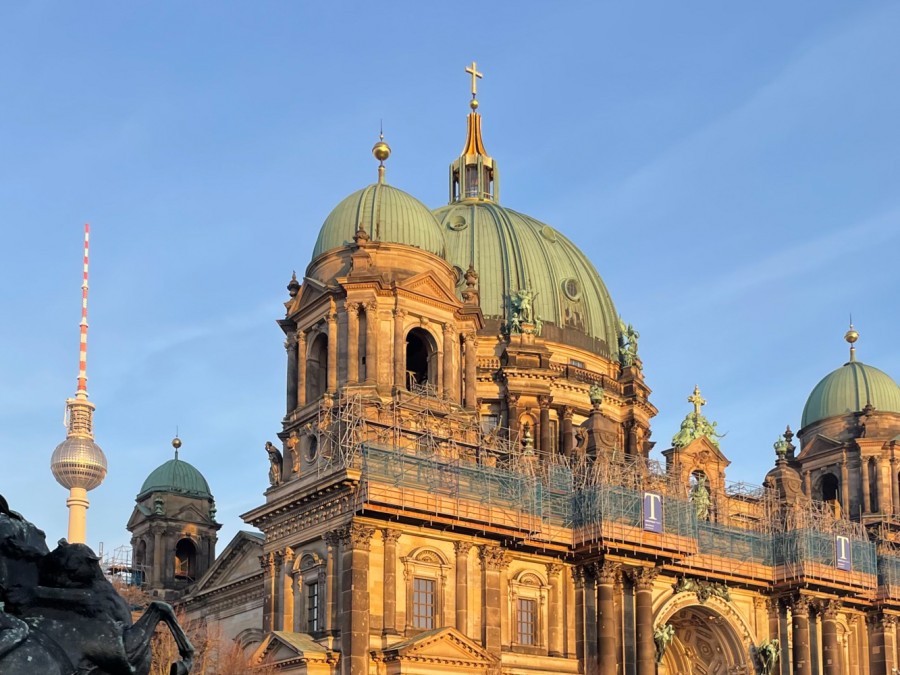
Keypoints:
(422, 456)
(119, 566)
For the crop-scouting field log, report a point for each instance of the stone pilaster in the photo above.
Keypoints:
(332, 349)
(278, 595)
(590, 618)
(332, 582)
(578, 578)
(390, 581)
(372, 342)
(555, 610)
(301, 368)
(831, 656)
(355, 542)
(800, 635)
(462, 548)
(290, 346)
(352, 311)
(607, 575)
(447, 375)
(399, 350)
(494, 560)
(471, 370)
(287, 589)
(267, 563)
(544, 402)
(643, 579)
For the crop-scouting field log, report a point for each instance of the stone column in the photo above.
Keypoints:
(461, 548)
(494, 559)
(831, 656)
(372, 342)
(619, 602)
(866, 485)
(156, 573)
(607, 574)
(568, 434)
(545, 423)
(447, 384)
(471, 371)
(807, 484)
(590, 618)
(399, 350)
(800, 628)
(895, 487)
(267, 562)
(555, 610)
(578, 578)
(278, 596)
(645, 648)
(332, 350)
(390, 580)
(352, 311)
(845, 488)
(773, 608)
(290, 346)
(287, 593)
(332, 582)
(301, 368)
(355, 543)
(297, 621)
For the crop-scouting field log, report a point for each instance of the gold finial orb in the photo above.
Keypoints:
(851, 335)
(381, 150)
(176, 442)
(473, 104)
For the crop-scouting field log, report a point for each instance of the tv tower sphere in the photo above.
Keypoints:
(78, 463)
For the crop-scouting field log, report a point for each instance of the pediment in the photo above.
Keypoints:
(818, 445)
(189, 513)
(427, 284)
(310, 291)
(237, 562)
(280, 646)
(702, 451)
(443, 645)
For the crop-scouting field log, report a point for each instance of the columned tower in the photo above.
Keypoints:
(78, 463)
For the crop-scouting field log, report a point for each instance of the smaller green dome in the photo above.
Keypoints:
(384, 213)
(848, 389)
(176, 477)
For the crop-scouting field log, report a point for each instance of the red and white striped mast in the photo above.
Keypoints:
(78, 463)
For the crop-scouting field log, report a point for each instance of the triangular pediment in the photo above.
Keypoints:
(237, 562)
(310, 291)
(818, 445)
(443, 645)
(428, 285)
(285, 646)
(189, 513)
(700, 451)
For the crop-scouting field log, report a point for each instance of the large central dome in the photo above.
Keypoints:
(512, 252)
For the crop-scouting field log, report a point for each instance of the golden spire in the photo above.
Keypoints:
(382, 151)
(697, 400)
(473, 70)
(851, 336)
(473, 175)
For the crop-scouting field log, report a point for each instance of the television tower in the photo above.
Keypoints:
(78, 463)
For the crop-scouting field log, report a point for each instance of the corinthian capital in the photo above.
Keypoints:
(493, 557)
(643, 577)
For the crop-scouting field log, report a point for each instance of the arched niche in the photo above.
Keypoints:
(317, 367)
(185, 559)
(421, 359)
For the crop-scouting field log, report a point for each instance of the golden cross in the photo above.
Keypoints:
(697, 400)
(475, 76)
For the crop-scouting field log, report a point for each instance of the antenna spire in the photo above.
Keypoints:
(81, 392)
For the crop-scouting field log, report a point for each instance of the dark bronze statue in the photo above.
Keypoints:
(62, 616)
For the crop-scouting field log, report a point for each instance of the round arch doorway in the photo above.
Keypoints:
(705, 643)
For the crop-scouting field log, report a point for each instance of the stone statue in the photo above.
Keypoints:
(293, 444)
(628, 343)
(662, 638)
(700, 498)
(61, 616)
(159, 507)
(595, 393)
(275, 461)
(522, 318)
(767, 654)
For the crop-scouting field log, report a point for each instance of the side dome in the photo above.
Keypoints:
(513, 252)
(848, 389)
(176, 477)
(387, 215)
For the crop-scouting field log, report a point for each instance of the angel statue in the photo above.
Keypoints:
(662, 638)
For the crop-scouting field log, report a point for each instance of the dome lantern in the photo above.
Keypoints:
(473, 175)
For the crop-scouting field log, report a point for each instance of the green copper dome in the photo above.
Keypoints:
(848, 389)
(176, 477)
(384, 213)
(514, 252)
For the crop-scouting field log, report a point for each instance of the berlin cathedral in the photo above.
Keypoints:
(462, 482)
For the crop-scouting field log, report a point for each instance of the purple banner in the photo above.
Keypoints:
(842, 553)
(653, 512)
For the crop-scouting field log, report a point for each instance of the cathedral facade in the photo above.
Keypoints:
(463, 481)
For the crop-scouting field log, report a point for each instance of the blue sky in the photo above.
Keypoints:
(730, 168)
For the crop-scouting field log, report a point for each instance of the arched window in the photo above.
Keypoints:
(528, 595)
(317, 368)
(830, 492)
(185, 560)
(425, 571)
(421, 359)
